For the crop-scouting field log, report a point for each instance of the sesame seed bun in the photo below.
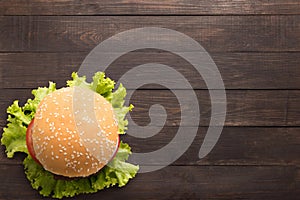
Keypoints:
(75, 132)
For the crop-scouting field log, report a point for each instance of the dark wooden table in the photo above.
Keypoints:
(255, 44)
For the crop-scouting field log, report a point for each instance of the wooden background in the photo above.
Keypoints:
(255, 44)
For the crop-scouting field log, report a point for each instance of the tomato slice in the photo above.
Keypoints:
(29, 142)
(115, 153)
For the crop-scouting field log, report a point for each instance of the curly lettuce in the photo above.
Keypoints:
(117, 172)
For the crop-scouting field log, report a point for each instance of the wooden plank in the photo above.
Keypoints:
(17, 159)
(237, 146)
(146, 7)
(293, 111)
(31, 70)
(238, 70)
(244, 107)
(180, 182)
(215, 33)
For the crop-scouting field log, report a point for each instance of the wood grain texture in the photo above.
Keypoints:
(237, 146)
(293, 113)
(147, 7)
(214, 33)
(238, 70)
(181, 182)
(255, 45)
(244, 107)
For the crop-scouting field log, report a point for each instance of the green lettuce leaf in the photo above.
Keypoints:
(117, 172)
(104, 86)
(78, 81)
(31, 105)
(119, 169)
(14, 135)
(100, 84)
(119, 108)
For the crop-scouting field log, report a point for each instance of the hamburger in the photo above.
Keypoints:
(73, 143)
(71, 137)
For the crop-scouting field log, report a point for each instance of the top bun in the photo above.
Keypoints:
(75, 132)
